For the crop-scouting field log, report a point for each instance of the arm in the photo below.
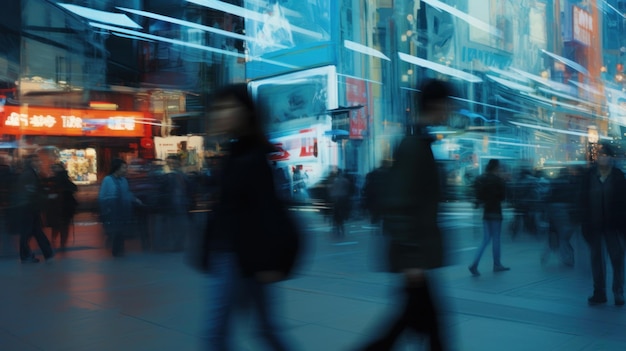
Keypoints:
(107, 190)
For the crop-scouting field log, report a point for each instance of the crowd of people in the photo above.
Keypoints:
(250, 240)
(37, 194)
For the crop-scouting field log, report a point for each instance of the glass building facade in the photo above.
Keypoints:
(537, 81)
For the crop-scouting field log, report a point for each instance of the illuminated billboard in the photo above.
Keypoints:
(279, 25)
(295, 33)
(18, 120)
(296, 98)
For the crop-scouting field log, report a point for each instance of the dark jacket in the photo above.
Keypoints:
(61, 203)
(490, 192)
(29, 194)
(596, 217)
(411, 206)
(249, 218)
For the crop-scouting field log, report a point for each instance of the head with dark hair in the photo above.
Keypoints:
(233, 112)
(493, 165)
(607, 149)
(32, 161)
(116, 166)
(434, 92)
(605, 155)
(434, 101)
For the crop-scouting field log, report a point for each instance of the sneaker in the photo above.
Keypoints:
(474, 271)
(500, 268)
(596, 300)
(619, 300)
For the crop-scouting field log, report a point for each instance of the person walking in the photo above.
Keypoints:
(29, 201)
(61, 204)
(561, 205)
(116, 203)
(411, 206)
(490, 192)
(248, 242)
(339, 193)
(177, 207)
(373, 191)
(602, 203)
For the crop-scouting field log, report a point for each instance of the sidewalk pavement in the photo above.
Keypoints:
(87, 300)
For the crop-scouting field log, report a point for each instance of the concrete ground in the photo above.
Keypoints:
(87, 300)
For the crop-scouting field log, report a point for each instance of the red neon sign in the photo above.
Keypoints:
(18, 120)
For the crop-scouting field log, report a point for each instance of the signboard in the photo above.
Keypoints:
(22, 120)
(279, 25)
(289, 36)
(292, 100)
(356, 95)
(582, 26)
(190, 150)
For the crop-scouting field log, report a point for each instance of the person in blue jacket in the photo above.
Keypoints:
(116, 203)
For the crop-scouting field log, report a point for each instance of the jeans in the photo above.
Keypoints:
(226, 288)
(492, 229)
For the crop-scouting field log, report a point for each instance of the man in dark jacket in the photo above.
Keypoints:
(412, 202)
(490, 192)
(29, 200)
(603, 196)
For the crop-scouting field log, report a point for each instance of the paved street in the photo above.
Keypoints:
(86, 300)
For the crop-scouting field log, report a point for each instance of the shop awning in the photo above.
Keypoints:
(567, 62)
(547, 82)
(337, 132)
(456, 73)
(351, 45)
(509, 74)
(343, 109)
(511, 85)
(587, 88)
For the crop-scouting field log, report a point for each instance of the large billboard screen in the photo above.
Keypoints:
(295, 98)
(278, 25)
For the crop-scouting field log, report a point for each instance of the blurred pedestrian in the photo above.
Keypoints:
(560, 206)
(523, 201)
(490, 192)
(299, 180)
(373, 190)
(339, 193)
(411, 210)
(176, 207)
(30, 198)
(249, 234)
(603, 196)
(116, 203)
(61, 204)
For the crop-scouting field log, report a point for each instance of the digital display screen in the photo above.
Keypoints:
(279, 24)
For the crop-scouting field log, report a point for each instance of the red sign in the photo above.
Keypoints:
(21, 120)
(583, 26)
(356, 95)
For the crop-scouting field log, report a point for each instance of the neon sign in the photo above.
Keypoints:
(51, 121)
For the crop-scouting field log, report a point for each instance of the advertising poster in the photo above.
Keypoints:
(190, 149)
(81, 165)
(278, 25)
(356, 95)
